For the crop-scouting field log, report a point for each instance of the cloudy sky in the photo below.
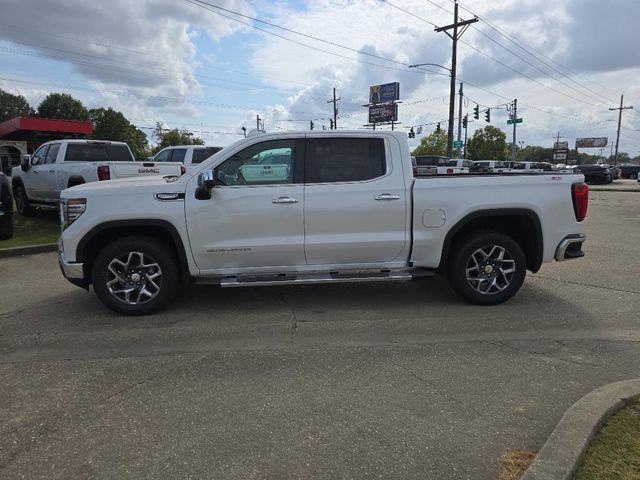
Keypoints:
(212, 70)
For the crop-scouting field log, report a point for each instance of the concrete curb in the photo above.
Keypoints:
(28, 250)
(605, 189)
(561, 454)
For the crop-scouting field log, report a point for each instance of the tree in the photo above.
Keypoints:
(109, 124)
(433, 144)
(12, 106)
(63, 106)
(488, 143)
(166, 137)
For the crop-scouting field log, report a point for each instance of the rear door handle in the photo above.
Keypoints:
(386, 196)
(284, 200)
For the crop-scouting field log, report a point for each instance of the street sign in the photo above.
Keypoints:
(383, 113)
(511, 121)
(389, 92)
(458, 144)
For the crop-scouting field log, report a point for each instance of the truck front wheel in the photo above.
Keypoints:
(135, 275)
(487, 268)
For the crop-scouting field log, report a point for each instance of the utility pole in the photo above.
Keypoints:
(259, 124)
(454, 53)
(335, 108)
(515, 117)
(620, 109)
(460, 93)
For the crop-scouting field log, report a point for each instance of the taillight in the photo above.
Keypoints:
(183, 169)
(580, 196)
(449, 170)
(103, 172)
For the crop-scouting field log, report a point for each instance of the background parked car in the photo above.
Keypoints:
(629, 171)
(489, 166)
(6, 208)
(595, 174)
(187, 155)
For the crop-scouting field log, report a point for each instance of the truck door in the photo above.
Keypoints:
(254, 219)
(51, 189)
(355, 204)
(34, 179)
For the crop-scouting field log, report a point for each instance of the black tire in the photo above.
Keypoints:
(154, 254)
(6, 227)
(489, 271)
(22, 202)
(633, 176)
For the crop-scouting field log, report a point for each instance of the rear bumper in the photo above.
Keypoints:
(73, 271)
(570, 247)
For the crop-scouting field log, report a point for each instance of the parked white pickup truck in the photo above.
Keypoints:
(60, 164)
(309, 207)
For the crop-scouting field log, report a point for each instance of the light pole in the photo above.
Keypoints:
(452, 103)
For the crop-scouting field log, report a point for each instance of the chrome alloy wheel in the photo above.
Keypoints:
(133, 278)
(490, 269)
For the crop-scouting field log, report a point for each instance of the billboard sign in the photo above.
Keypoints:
(383, 113)
(561, 146)
(591, 142)
(560, 156)
(389, 92)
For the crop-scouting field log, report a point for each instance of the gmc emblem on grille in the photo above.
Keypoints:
(148, 170)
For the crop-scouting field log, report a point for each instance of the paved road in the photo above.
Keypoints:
(342, 381)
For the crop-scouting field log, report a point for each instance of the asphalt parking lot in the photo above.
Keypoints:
(395, 380)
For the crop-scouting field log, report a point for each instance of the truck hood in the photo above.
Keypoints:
(129, 185)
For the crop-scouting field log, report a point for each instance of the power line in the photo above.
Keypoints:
(204, 5)
(528, 49)
(498, 61)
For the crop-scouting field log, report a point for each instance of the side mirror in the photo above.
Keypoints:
(26, 163)
(206, 181)
(149, 159)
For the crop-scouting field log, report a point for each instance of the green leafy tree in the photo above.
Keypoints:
(62, 106)
(433, 144)
(168, 137)
(109, 124)
(12, 106)
(488, 143)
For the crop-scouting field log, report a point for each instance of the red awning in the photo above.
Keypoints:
(35, 124)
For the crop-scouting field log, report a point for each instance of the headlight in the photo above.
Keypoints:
(70, 210)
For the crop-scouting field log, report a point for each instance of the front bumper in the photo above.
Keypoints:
(73, 271)
(570, 247)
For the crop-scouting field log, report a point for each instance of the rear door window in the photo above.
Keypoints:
(52, 154)
(332, 160)
(178, 155)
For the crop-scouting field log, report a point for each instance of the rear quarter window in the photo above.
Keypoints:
(97, 152)
(202, 154)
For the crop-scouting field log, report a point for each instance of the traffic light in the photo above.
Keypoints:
(438, 127)
(310, 124)
(412, 134)
(331, 124)
(464, 122)
(476, 112)
(487, 115)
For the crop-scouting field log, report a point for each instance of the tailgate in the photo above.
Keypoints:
(137, 169)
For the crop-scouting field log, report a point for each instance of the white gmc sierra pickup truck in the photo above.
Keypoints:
(309, 207)
(61, 164)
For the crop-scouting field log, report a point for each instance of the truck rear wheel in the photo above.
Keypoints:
(487, 269)
(22, 202)
(135, 275)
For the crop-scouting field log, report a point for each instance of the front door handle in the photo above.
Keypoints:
(386, 196)
(51, 171)
(284, 200)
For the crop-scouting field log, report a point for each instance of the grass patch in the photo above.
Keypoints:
(614, 453)
(514, 463)
(43, 227)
